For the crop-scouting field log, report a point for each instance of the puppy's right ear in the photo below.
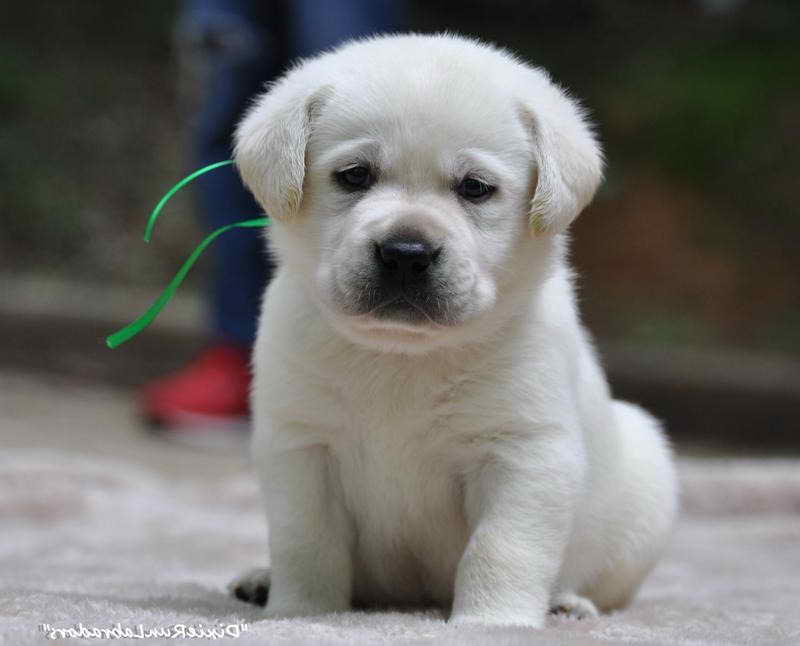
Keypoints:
(271, 144)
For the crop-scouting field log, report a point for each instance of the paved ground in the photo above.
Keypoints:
(92, 420)
(101, 523)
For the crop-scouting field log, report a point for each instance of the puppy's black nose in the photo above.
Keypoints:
(406, 256)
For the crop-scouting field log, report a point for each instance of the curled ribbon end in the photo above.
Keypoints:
(148, 231)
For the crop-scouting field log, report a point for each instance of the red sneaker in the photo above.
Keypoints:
(211, 391)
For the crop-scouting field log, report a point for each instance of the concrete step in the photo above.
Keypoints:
(708, 398)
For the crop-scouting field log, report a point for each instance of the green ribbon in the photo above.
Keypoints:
(151, 221)
(131, 330)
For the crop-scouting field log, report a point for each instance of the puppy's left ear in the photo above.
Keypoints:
(569, 160)
(271, 144)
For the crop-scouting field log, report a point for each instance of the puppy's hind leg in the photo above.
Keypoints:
(640, 517)
(252, 586)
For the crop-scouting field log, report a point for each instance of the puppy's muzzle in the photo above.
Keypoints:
(406, 281)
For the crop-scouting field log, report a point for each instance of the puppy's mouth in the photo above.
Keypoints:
(402, 304)
(403, 308)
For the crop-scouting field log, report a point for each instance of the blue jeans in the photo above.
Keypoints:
(235, 46)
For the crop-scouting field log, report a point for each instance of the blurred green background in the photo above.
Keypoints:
(690, 242)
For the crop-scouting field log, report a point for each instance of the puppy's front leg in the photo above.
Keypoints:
(518, 506)
(310, 535)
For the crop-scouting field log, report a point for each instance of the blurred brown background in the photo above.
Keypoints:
(687, 257)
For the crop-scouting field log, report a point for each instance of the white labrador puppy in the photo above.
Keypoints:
(431, 422)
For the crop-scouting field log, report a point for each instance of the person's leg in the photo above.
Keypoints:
(228, 49)
(235, 46)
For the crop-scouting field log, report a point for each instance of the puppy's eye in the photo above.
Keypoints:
(474, 189)
(357, 178)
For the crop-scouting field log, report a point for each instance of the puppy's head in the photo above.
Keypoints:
(418, 184)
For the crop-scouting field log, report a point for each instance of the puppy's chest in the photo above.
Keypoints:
(401, 485)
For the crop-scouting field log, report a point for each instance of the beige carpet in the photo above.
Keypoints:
(100, 526)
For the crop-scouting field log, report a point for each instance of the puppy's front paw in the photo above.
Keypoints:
(252, 586)
(573, 606)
